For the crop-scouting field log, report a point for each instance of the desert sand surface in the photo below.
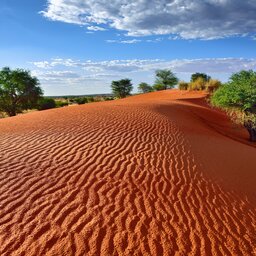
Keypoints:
(154, 174)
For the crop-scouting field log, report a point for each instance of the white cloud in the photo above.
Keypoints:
(214, 65)
(187, 19)
(85, 77)
(155, 40)
(132, 41)
(95, 28)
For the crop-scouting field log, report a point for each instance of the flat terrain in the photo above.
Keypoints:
(155, 174)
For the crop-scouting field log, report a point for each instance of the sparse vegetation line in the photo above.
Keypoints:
(20, 91)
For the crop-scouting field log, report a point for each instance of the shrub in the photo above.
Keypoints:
(46, 103)
(212, 85)
(238, 96)
(183, 85)
(197, 85)
(60, 104)
(81, 100)
(98, 99)
(108, 98)
(90, 99)
(159, 87)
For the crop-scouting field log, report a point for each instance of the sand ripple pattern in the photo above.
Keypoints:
(115, 178)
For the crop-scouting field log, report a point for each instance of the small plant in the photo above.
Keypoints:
(212, 85)
(183, 85)
(198, 85)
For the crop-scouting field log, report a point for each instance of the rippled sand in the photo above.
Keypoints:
(155, 174)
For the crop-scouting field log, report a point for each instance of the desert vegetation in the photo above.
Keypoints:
(165, 79)
(238, 98)
(122, 88)
(145, 88)
(19, 91)
(200, 82)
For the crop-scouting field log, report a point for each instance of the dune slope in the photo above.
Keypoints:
(155, 174)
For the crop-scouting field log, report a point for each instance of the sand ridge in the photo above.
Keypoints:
(146, 175)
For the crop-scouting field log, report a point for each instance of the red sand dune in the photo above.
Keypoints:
(155, 174)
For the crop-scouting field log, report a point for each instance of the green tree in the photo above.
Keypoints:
(121, 88)
(239, 97)
(165, 79)
(197, 75)
(18, 91)
(144, 88)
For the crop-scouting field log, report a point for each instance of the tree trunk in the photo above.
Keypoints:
(252, 131)
(12, 113)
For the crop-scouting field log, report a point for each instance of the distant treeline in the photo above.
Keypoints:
(80, 96)
(62, 101)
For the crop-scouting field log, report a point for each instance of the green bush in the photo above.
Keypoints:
(238, 97)
(81, 100)
(159, 87)
(108, 98)
(183, 85)
(46, 103)
(60, 104)
(90, 99)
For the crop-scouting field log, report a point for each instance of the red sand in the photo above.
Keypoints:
(155, 174)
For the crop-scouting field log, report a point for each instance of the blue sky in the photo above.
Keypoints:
(80, 46)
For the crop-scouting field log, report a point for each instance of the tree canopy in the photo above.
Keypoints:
(144, 88)
(18, 90)
(165, 79)
(240, 94)
(197, 75)
(121, 88)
